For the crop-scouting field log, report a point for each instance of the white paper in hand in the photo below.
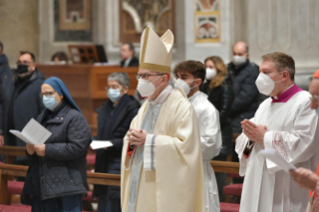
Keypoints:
(100, 144)
(33, 133)
(275, 157)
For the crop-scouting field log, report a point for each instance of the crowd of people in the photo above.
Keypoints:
(164, 137)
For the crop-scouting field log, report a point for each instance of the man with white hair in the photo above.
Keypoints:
(162, 168)
(285, 122)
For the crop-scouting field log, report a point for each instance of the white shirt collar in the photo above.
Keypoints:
(191, 99)
(127, 61)
(162, 96)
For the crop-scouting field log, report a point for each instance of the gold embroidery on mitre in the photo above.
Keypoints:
(155, 67)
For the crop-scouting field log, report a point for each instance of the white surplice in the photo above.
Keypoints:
(292, 131)
(211, 142)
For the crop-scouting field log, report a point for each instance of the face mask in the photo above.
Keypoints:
(145, 87)
(265, 84)
(184, 85)
(50, 102)
(22, 69)
(210, 73)
(114, 94)
(238, 60)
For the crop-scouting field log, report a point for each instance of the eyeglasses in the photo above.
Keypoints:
(47, 94)
(112, 87)
(24, 62)
(146, 76)
(314, 98)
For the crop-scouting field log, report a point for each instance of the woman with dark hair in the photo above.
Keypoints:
(57, 175)
(59, 57)
(113, 121)
(221, 95)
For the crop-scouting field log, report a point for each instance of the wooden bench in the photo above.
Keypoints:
(7, 171)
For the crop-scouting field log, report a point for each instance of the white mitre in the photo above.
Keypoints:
(156, 52)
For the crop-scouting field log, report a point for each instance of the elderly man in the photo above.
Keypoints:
(21, 99)
(162, 168)
(305, 177)
(127, 56)
(285, 122)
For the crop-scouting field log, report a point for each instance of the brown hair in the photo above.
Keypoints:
(221, 71)
(61, 55)
(195, 68)
(283, 62)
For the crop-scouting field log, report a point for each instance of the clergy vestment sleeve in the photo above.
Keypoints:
(296, 145)
(211, 140)
(149, 152)
(241, 143)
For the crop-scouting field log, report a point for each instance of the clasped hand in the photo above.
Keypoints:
(39, 149)
(136, 137)
(254, 132)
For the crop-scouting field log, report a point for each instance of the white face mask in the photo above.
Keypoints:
(210, 73)
(265, 84)
(184, 85)
(238, 60)
(145, 87)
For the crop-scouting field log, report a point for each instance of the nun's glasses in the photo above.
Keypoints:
(47, 94)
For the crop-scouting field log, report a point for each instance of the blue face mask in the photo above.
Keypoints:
(114, 94)
(50, 102)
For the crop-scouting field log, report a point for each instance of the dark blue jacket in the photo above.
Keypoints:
(63, 168)
(26, 104)
(246, 93)
(109, 161)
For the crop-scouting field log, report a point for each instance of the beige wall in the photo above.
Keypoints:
(19, 28)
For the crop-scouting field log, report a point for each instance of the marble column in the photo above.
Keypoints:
(19, 28)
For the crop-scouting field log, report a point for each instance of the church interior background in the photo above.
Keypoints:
(201, 27)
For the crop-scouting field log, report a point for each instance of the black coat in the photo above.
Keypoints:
(5, 79)
(109, 161)
(222, 97)
(246, 93)
(133, 63)
(26, 104)
(63, 168)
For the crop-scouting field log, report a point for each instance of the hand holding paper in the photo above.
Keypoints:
(275, 157)
(33, 133)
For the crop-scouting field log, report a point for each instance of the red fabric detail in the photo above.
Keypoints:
(247, 156)
(130, 152)
(229, 207)
(168, 76)
(15, 187)
(278, 144)
(90, 159)
(233, 189)
(316, 74)
(89, 197)
(15, 208)
(317, 172)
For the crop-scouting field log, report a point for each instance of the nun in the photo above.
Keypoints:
(57, 175)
